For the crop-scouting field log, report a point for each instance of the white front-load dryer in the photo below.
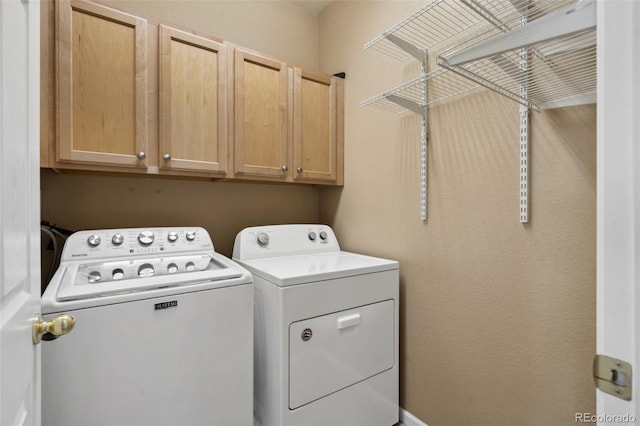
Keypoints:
(325, 329)
(163, 332)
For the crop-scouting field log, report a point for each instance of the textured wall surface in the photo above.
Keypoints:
(78, 201)
(276, 28)
(497, 317)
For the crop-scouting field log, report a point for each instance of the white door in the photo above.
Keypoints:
(19, 211)
(618, 281)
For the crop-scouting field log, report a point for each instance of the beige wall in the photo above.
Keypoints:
(76, 201)
(81, 201)
(272, 27)
(497, 318)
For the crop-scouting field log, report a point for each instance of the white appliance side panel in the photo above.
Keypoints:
(332, 352)
(129, 363)
(269, 360)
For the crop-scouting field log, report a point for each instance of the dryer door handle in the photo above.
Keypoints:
(348, 321)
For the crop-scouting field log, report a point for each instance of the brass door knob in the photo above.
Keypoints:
(58, 326)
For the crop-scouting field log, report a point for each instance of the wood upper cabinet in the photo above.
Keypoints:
(262, 133)
(288, 122)
(121, 93)
(101, 61)
(314, 126)
(193, 102)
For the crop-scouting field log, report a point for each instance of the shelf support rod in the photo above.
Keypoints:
(406, 104)
(524, 129)
(420, 109)
(424, 137)
(407, 47)
(483, 12)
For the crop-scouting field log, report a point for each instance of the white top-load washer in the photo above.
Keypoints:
(163, 332)
(325, 329)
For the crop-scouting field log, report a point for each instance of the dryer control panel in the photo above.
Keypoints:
(132, 242)
(283, 240)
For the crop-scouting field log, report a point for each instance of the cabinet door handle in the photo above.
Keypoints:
(300, 169)
(141, 155)
(166, 157)
(284, 168)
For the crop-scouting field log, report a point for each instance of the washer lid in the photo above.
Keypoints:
(300, 269)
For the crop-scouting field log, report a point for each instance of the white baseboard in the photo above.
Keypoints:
(409, 419)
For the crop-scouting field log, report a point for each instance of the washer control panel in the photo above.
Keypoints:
(283, 240)
(111, 243)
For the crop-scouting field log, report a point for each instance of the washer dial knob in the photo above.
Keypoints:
(172, 237)
(94, 277)
(94, 240)
(263, 239)
(312, 236)
(323, 235)
(191, 235)
(117, 274)
(117, 239)
(146, 238)
(146, 270)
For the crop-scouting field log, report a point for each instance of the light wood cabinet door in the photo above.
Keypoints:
(193, 102)
(102, 85)
(262, 134)
(314, 124)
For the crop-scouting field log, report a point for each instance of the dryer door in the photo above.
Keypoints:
(334, 351)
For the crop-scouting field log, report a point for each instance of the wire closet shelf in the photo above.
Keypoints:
(411, 95)
(556, 42)
(559, 71)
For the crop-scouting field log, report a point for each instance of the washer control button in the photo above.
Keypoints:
(312, 236)
(117, 274)
(323, 235)
(146, 270)
(263, 239)
(172, 268)
(94, 277)
(190, 267)
(172, 237)
(94, 240)
(117, 239)
(146, 238)
(191, 235)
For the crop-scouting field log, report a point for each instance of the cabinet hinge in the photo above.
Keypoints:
(613, 376)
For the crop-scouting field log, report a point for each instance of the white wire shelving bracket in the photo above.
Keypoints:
(411, 96)
(437, 21)
(540, 54)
